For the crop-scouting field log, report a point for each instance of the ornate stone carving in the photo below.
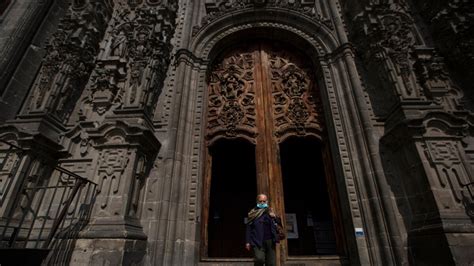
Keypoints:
(119, 42)
(450, 171)
(451, 24)
(231, 97)
(386, 35)
(84, 144)
(435, 80)
(137, 54)
(70, 58)
(443, 152)
(448, 19)
(111, 165)
(103, 92)
(218, 8)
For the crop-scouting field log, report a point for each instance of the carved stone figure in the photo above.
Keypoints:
(119, 43)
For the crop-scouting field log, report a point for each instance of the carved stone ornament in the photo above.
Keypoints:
(434, 78)
(103, 92)
(452, 25)
(443, 152)
(451, 173)
(112, 163)
(137, 53)
(386, 33)
(69, 58)
(218, 8)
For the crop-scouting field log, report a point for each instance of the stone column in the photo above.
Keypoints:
(115, 127)
(428, 175)
(114, 234)
(431, 175)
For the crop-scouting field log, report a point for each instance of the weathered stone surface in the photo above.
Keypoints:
(118, 91)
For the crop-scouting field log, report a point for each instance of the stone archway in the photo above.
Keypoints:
(346, 110)
(264, 92)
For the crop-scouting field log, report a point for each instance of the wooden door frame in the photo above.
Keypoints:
(272, 185)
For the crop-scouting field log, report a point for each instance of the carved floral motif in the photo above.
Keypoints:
(231, 97)
(284, 88)
(294, 107)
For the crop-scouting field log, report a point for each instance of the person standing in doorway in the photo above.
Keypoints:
(261, 233)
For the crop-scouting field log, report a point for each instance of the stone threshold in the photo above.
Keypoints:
(291, 261)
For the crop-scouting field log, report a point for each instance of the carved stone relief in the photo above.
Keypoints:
(435, 80)
(451, 25)
(417, 72)
(111, 165)
(104, 92)
(136, 54)
(387, 37)
(451, 173)
(70, 59)
(314, 9)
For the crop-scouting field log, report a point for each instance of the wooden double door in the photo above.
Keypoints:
(265, 134)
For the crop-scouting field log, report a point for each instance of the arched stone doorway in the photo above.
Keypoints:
(266, 133)
(346, 113)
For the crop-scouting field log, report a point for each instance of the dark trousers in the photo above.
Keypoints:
(265, 255)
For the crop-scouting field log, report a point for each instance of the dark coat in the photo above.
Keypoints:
(254, 233)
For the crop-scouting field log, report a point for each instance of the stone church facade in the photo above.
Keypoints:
(179, 112)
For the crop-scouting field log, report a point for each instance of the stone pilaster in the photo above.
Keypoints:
(115, 132)
(65, 68)
(124, 157)
(431, 176)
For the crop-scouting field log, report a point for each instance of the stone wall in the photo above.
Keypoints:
(115, 90)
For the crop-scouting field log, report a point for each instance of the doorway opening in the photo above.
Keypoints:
(232, 195)
(264, 129)
(306, 198)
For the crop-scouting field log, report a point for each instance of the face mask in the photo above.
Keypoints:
(262, 205)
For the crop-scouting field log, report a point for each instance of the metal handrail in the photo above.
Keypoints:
(49, 204)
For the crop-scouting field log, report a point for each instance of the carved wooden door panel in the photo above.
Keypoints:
(264, 94)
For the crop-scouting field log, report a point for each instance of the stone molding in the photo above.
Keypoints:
(314, 10)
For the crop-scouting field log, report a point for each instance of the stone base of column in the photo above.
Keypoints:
(108, 252)
(128, 228)
(435, 247)
(461, 246)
